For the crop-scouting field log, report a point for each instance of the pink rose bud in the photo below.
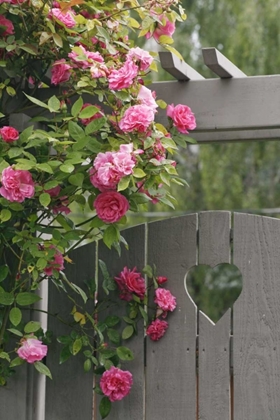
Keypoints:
(9, 134)
(157, 329)
(32, 350)
(116, 383)
(56, 264)
(161, 279)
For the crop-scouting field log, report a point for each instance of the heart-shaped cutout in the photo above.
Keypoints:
(214, 290)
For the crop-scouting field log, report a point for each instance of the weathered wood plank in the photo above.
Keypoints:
(219, 64)
(178, 68)
(132, 406)
(171, 362)
(69, 395)
(256, 319)
(214, 340)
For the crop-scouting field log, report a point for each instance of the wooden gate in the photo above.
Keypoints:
(198, 370)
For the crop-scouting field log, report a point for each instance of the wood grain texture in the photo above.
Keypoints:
(214, 340)
(132, 407)
(69, 394)
(256, 319)
(171, 362)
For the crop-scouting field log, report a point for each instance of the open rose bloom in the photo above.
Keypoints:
(32, 350)
(116, 383)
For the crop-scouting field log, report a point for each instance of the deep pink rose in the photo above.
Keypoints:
(146, 97)
(8, 26)
(60, 72)
(157, 329)
(137, 118)
(111, 206)
(161, 279)
(32, 350)
(116, 383)
(124, 77)
(129, 282)
(165, 300)
(9, 134)
(141, 57)
(182, 116)
(86, 121)
(67, 18)
(16, 185)
(56, 264)
(54, 192)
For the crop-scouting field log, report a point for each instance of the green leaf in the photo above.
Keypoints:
(64, 354)
(104, 407)
(89, 111)
(43, 369)
(15, 316)
(26, 298)
(148, 270)
(32, 326)
(143, 313)
(164, 39)
(114, 336)
(95, 125)
(45, 199)
(16, 332)
(127, 332)
(124, 183)
(45, 168)
(75, 131)
(125, 353)
(67, 168)
(16, 362)
(41, 263)
(77, 106)
(6, 298)
(76, 179)
(54, 104)
(77, 345)
(4, 355)
(14, 152)
(36, 101)
(87, 365)
(24, 136)
(111, 235)
(4, 271)
(112, 320)
(138, 173)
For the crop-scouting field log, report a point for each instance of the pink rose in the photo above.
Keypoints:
(157, 329)
(124, 77)
(54, 192)
(167, 28)
(111, 206)
(8, 26)
(84, 58)
(182, 116)
(32, 350)
(66, 18)
(129, 282)
(142, 58)
(145, 97)
(60, 72)
(98, 70)
(56, 264)
(165, 300)
(116, 383)
(86, 121)
(161, 279)
(16, 185)
(137, 118)
(9, 134)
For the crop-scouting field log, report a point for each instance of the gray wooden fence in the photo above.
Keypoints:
(198, 370)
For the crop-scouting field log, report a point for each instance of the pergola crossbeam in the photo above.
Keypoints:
(178, 68)
(219, 64)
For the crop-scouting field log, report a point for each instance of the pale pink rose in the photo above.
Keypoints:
(16, 184)
(137, 118)
(60, 72)
(146, 97)
(56, 264)
(161, 279)
(129, 282)
(167, 28)
(86, 121)
(111, 206)
(157, 329)
(9, 134)
(32, 350)
(124, 77)
(98, 70)
(84, 58)
(165, 300)
(67, 17)
(116, 383)
(182, 116)
(8, 26)
(110, 167)
(141, 57)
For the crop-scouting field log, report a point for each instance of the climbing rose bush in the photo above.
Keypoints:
(90, 144)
